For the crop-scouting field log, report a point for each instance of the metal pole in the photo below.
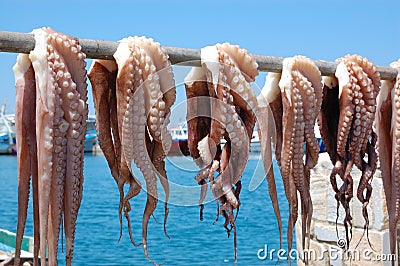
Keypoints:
(16, 42)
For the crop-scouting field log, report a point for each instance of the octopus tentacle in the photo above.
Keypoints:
(75, 115)
(124, 91)
(347, 92)
(201, 180)
(158, 157)
(356, 143)
(312, 103)
(284, 151)
(102, 75)
(395, 168)
(298, 169)
(144, 164)
(210, 60)
(346, 95)
(129, 79)
(164, 71)
(328, 120)
(101, 79)
(155, 106)
(236, 80)
(232, 171)
(240, 138)
(293, 211)
(364, 185)
(312, 92)
(389, 101)
(134, 184)
(370, 85)
(161, 94)
(198, 111)
(384, 132)
(287, 142)
(26, 150)
(243, 97)
(152, 97)
(365, 145)
(73, 99)
(45, 115)
(244, 61)
(59, 174)
(328, 117)
(270, 105)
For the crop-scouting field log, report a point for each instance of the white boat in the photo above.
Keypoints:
(179, 133)
(91, 134)
(7, 132)
(319, 138)
(179, 140)
(255, 146)
(7, 248)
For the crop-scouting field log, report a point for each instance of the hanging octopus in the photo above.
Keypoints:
(133, 100)
(221, 106)
(295, 103)
(387, 123)
(345, 122)
(51, 114)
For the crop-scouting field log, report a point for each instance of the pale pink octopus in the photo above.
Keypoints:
(51, 92)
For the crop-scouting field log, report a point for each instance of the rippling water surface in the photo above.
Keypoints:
(193, 242)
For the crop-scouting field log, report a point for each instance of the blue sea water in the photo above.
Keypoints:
(193, 242)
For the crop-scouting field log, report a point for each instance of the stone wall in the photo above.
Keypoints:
(325, 240)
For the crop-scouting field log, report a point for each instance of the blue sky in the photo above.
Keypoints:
(317, 29)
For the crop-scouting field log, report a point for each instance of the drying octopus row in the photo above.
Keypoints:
(133, 97)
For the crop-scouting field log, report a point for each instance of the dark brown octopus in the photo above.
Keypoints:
(51, 114)
(345, 122)
(133, 98)
(295, 103)
(221, 106)
(387, 123)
